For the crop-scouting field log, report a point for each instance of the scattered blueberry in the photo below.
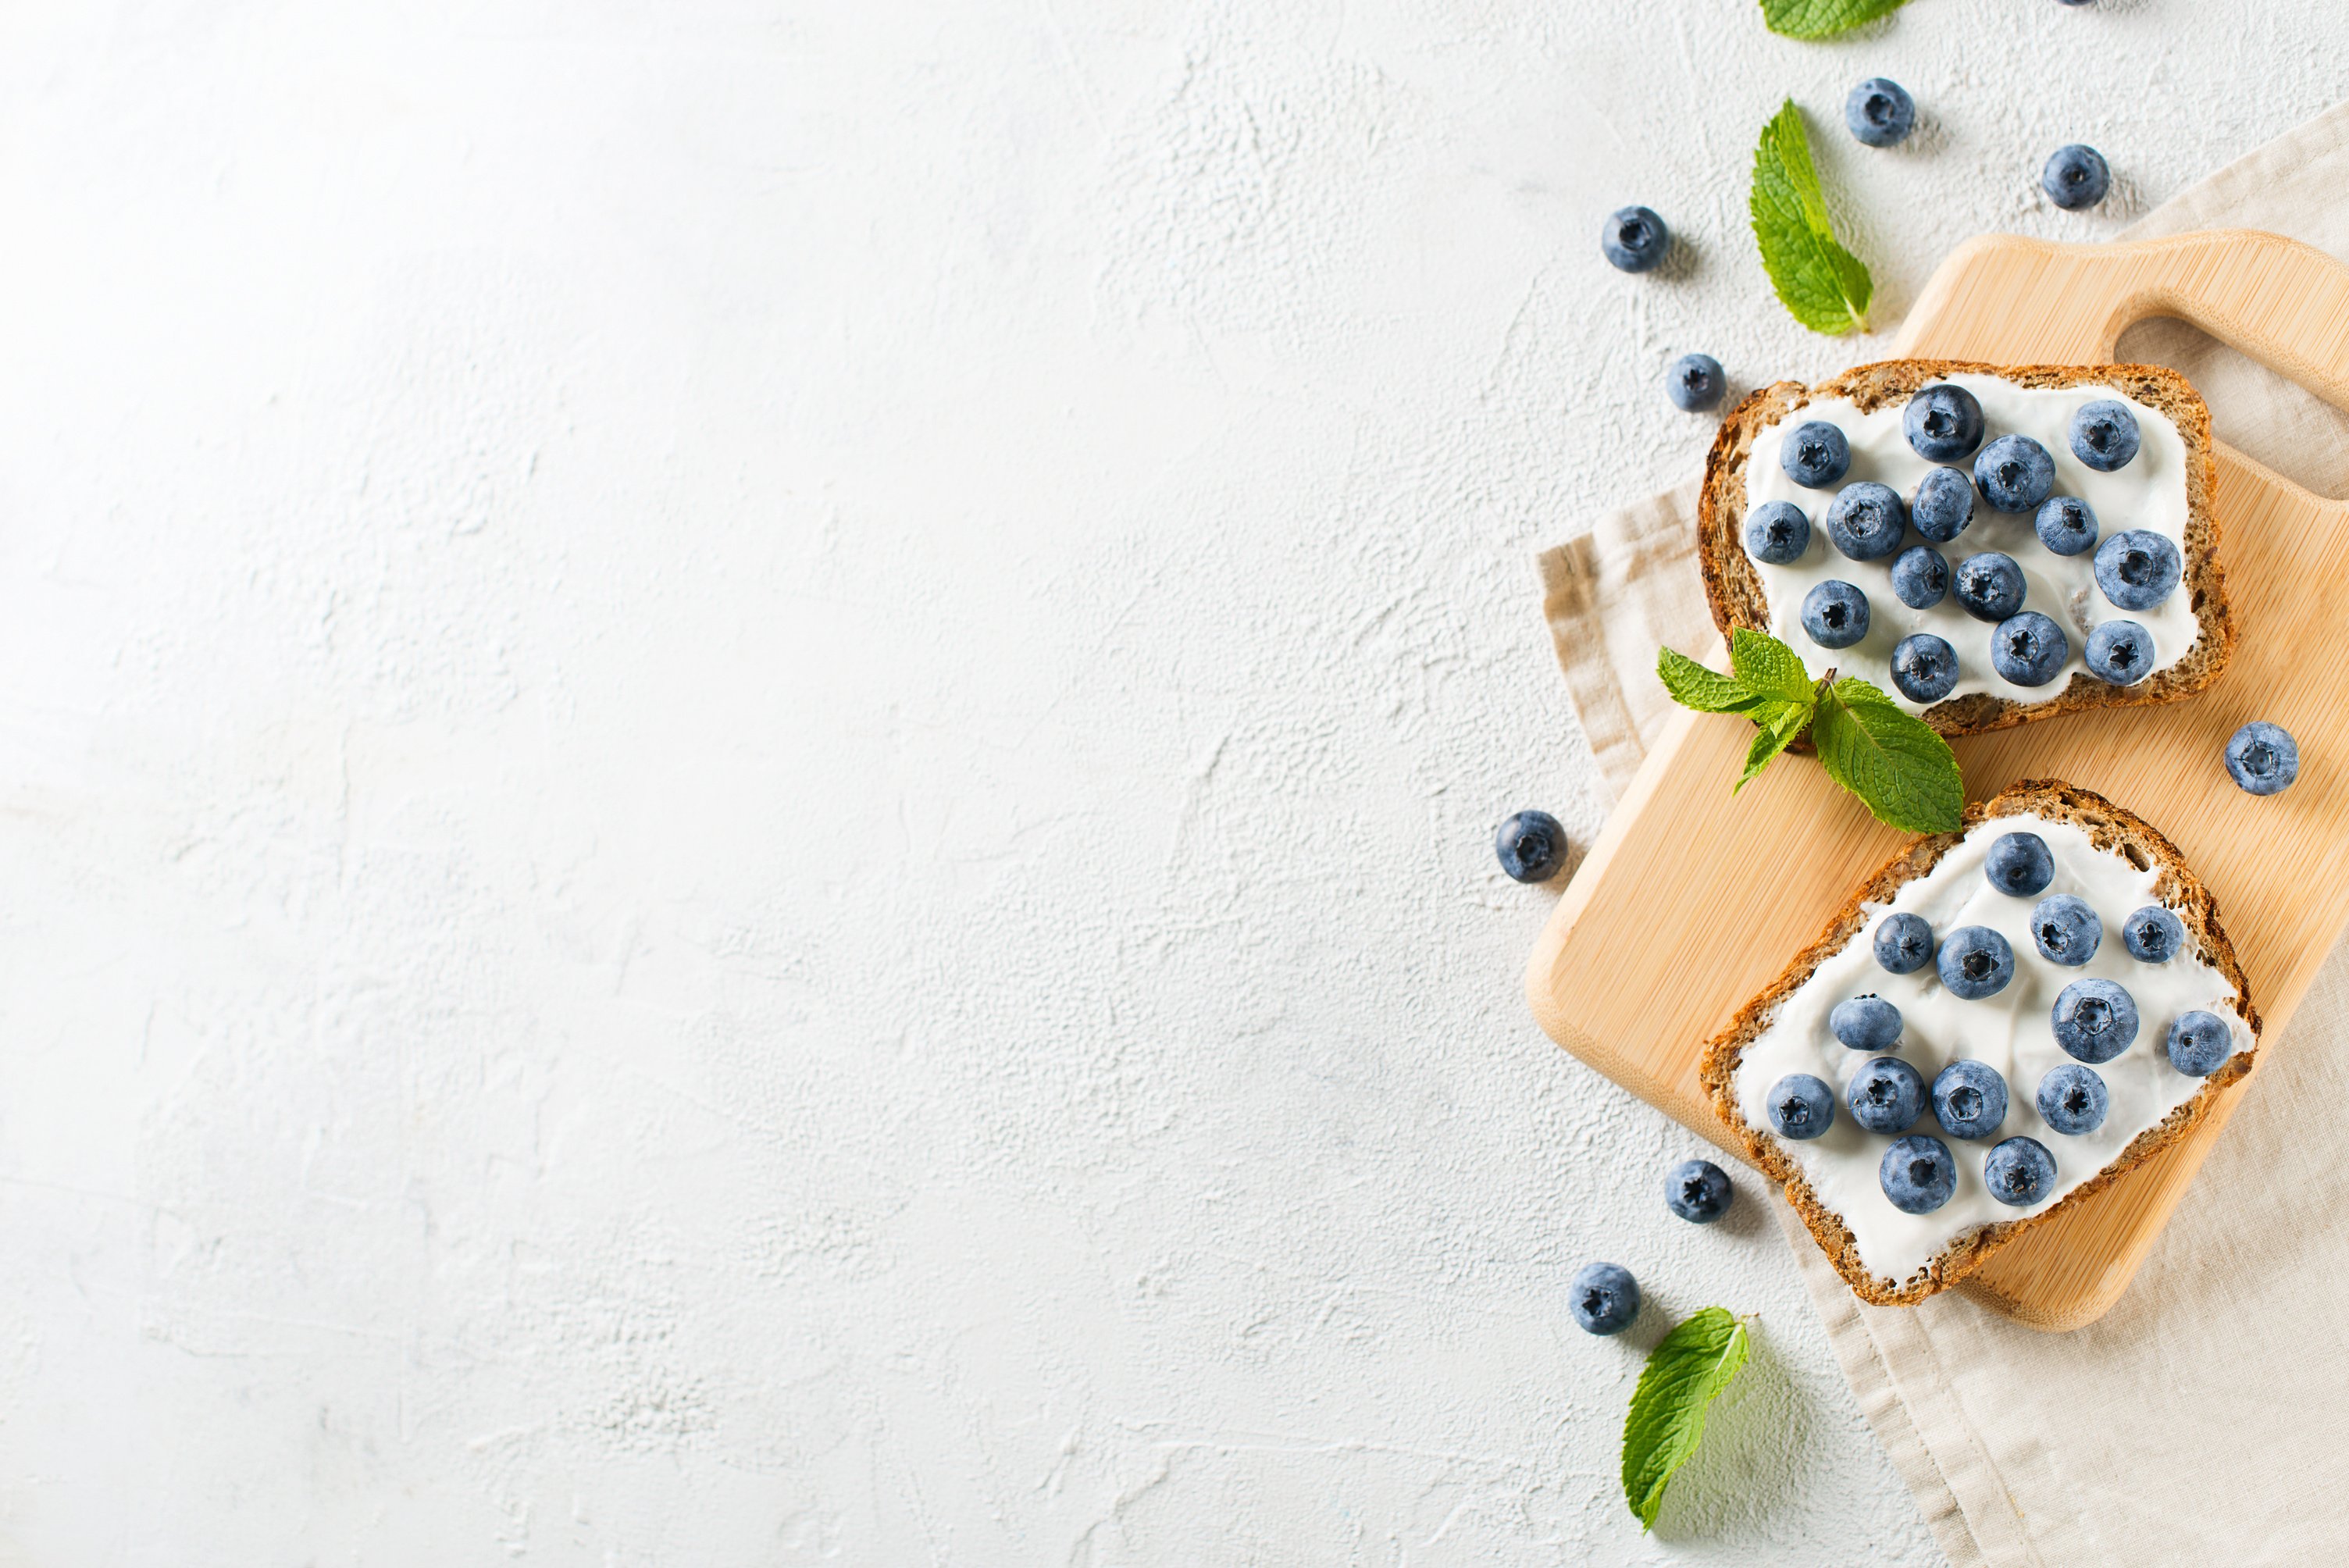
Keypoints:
(1604, 1298)
(2137, 569)
(1924, 667)
(1694, 382)
(1815, 455)
(1921, 576)
(2199, 1043)
(1988, 586)
(1699, 1191)
(1918, 1174)
(1943, 504)
(1801, 1106)
(1879, 112)
(2104, 435)
(1969, 1099)
(2067, 525)
(1777, 532)
(1866, 1023)
(1532, 845)
(2014, 473)
(2066, 930)
(1634, 239)
(2095, 1020)
(1834, 613)
(1904, 943)
(2029, 649)
(2018, 864)
(1944, 423)
(2120, 652)
(2071, 1099)
(1886, 1095)
(2019, 1171)
(1975, 961)
(2075, 176)
(1866, 520)
(2264, 758)
(2153, 934)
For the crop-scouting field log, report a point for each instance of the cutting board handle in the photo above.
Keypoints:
(2283, 303)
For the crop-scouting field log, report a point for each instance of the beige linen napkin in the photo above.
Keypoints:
(2206, 1418)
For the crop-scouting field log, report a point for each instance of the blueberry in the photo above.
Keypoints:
(2029, 649)
(1879, 112)
(2137, 569)
(2018, 864)
(2075, 176)
(1918, 1174)
(1698, 1190)
(2071, 1099)
(2067, 525)
(1943, 504)
(1988, 586)
(1924, 667)
(2095, 1020)
(1975, 961)
(2120, 652)
(1886, 1095)
(1834, 613)
(2153, 934)
(1866, 1023)
(1944, 423)
(2104, 435)
(1777, 532)
(1866, 520)
(1904, 943)
(1969, 1099)
(1801, 1106)
(2014, 473)
(2200, 1044)
(1634, 239)
(2264, 758)
(2019, 1171)
(1815, 455)
(1604, 1298)
(1921, 576)
(2066, 930)
(1694, 382)
(1532, 846)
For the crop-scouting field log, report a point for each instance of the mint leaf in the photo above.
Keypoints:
(1769, 667)
(1707, 691)
(1822, 18)
(1780, 722)
(1820, 283)
(1897, 767)
(1683, 1374)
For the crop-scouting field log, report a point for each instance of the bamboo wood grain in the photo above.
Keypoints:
(1747, 881)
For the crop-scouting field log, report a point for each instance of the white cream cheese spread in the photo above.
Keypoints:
(2011, 1031)
(2148, 492)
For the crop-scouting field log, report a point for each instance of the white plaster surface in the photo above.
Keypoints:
(747, 758)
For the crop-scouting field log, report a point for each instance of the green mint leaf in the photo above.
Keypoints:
(1780, 722)
(1820, 283)
(1768, 666)
(1897, 767)
(1707, 691)
(1683, 1374)
(1822, 18)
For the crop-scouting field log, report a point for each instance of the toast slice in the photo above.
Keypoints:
(1734, 586)
(2108, 829)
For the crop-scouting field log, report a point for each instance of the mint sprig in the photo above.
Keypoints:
(1822, 285)
(1901, 770)
(1683, 1375)
(1822, 18)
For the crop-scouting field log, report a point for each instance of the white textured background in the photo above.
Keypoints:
(746, 756)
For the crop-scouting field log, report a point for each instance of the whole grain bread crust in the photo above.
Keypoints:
(2109, 828)
(1733, 588)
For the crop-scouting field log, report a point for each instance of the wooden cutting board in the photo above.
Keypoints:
(1693, 900)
